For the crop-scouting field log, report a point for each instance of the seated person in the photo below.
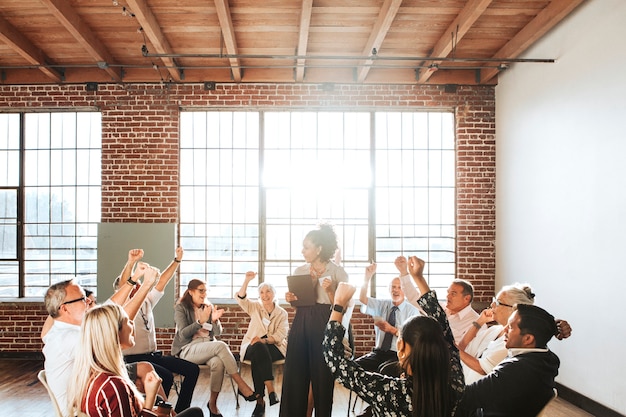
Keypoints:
(483, 347)
(145, 348)
(426, 352)
(66, 304)
(266, 339)
(523, 383)
(100, 384)
(389, 314)
(197, 324)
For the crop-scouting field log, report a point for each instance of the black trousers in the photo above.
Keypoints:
(305, 365)
(261, 357)
(164, 365)
(382, 361)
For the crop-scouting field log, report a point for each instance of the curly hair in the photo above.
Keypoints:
(325, 238)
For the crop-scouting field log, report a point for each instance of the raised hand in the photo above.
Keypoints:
(150, 275)
(416, 266)
(401, 265)
(134, 255)
(564, 329)
(250, 275)
(370, 270)
(178, 254)
(140, 270)
(344, 293)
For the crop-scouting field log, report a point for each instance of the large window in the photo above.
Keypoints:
(254, 183)
(49, 200)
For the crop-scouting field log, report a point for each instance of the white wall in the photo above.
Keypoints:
(561, 191)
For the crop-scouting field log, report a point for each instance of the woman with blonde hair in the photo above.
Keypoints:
(100, 383)
(197, 325)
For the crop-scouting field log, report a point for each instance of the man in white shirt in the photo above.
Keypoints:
(458, 306)
(66, 304)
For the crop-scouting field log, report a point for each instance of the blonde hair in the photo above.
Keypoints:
(99, 351)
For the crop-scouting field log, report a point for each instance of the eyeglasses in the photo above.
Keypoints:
(201, 291)
(83, 299)
(500, 303)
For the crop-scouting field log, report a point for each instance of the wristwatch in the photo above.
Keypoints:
(338, 308)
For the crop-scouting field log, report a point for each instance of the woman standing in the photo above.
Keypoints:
(266, 339)
(101, 385)
(197, 324)
(304, 364)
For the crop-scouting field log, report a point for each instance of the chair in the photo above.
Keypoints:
(42, 378)
(240, 362)
(178, 380)
(544, 411)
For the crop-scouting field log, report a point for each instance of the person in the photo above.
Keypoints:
(265, 340)
(66, 304)
(91, 296)
(458, 306)
(483, 347)
(304, 362)
(197, 325)
(145, 347)
(384, 357)
(433, 380)
(523, 383)
(100, 384)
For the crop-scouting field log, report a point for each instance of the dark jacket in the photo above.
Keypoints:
(519, 386)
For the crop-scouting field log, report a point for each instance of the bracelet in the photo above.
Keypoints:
(478, 326)
(130, 282)
(176, 260)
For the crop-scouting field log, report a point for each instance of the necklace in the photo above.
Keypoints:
(144, 318)
(317, 273)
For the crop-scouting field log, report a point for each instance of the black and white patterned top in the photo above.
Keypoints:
(388, 396)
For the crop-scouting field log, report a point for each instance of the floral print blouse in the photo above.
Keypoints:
(388, 396)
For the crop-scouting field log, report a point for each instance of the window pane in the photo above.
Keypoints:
(315, 166)
(62, 199)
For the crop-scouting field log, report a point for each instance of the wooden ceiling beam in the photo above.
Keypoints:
(385, 18)
(303, 37)
(228, 32)
(64, 13)
(152, 29)
(25, 48)
(535, 29)
(453, 34)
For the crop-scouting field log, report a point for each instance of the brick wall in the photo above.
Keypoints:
(140, 124)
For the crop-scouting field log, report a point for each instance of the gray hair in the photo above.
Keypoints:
(518, 294)
(54, 297)
(268, 286)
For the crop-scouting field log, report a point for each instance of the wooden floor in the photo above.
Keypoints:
(21, 394)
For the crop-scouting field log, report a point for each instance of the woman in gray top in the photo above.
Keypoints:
(197, 324)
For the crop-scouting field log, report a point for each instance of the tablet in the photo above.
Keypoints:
(302, 287)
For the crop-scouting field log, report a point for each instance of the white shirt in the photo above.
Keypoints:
(493, 352)
(145, 333)
(459, 322)
(59, 349)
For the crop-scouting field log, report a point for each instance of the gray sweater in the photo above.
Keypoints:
(187, 326)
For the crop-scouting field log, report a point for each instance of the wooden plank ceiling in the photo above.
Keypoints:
(286, 41)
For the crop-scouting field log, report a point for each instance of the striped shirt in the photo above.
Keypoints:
(110, 395)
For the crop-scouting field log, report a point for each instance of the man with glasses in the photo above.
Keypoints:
(66, 304)
(145, 348)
